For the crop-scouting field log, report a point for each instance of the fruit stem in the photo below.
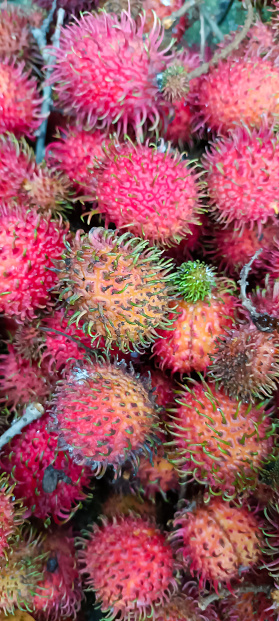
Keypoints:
(32, 412)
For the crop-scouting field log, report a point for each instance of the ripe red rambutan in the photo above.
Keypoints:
(191, 243)
(29, 242)
(246, 363)
(217, 540)
(59, 593)
(158, 476)
(48, 480)
(19, 99)
(106, 72)
(154, 193)
(162, 385)
(76, 153)
(242, 177)
(221, 442)
(203, 312)
(21, 380)
(103, 414)
(117, 285)
(130, 567)
(258, 43)
(16, 40)
(237, 91)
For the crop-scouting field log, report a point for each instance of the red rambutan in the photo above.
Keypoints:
(103, 414)
(16, 40)
(130, 567)
(19, 100)
(106, 72)
(242, 177)
(10, 516)
(154, 194)
(217, 540)
(29, 242)
(158, 476)
(21, 380)
(50, 483)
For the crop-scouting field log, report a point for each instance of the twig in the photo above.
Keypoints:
(40, 36)
(168, 21)
(249, 588)
(243, 285)
(214, 27)
(226, 11)
(32, 412)
(202, 35)
(226, 51)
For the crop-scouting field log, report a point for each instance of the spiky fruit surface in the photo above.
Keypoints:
(242, 177)
(19, 574)
(258, 43)
(105, 71)
(198, 322)
(246, 363)
(26, 459)
(59, 593)
(103, 414)
(29, 242)
(119, 504)
(117, 285)
(163, 11)
(20, 103)
(21, 381)
(16, 40)
(47, 190)
(219, 441)
(191, 243)
(163, 387)
(249, 90)
(247, 607)
(76, 154)
(158, 476)
(155, 194)
(216, 540)
(10, 516)
(184, 607)
(130, 567)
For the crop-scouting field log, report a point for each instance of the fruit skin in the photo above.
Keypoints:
(26, 458)
(129, 566)
(158, 476)
(103, 414)
(59, 593)
(184, 607)
(16, 40)
(124, 504)
(76, 153)
(246, 606)
(19, 100)
(195, 329)
(29, 243)
(21, 381)
(118, 285)
(220, 442)
(105, 72)
(153, 192)
(242, 177)
(249, 90)
(246, 363)
(216, 540)
(10, 517)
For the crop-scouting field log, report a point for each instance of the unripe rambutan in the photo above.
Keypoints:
(153, 193)
(103, 414)
(21, 380)
(130, 567)
(250, 89)
(29, 242)
(16, 40)
(59, 593)
(117, 285)
(242, 177)
(106, 72)
(120, 504)
(221, 442)
(204, 311)
(33, 459)
(246, 363)
(19, 100)
(217, 540)
(76, 153)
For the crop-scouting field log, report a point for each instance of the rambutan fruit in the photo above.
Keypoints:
(106, 72)
(16, 39)
(59, 593)
(204, 310)
(246, 363)
(162, 385)
(184, 251)
(130, 566)
(153, 193)
(19, 615)
(47, 190)
(20, 102)
(29, 242)
(216, 540)
(103, 414)
(218, 440)
(249, 91)
(184, 607)
(125, 504)
(76, 153)
(35, 464)
(10, 516)
(247, 607)
(117, 285)
(158, 476)
(163, 12)
(21, 380)
(242, 177)
(270, 529)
